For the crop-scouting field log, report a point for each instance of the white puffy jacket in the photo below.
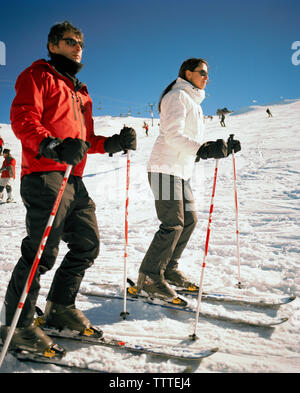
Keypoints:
(181, 131)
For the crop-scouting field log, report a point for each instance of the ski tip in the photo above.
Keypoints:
(279, 321)
(291, 298)
(208, 352)
(284, 319)
(272, 323)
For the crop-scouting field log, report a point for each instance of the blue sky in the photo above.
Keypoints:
(134, 48)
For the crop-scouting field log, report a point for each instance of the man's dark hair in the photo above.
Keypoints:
(58, 30)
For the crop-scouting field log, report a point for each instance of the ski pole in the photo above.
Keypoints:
(124, 313)
(239, 284)
(194, 336)
(35, 265)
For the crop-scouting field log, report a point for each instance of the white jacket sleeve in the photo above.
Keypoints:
(173, 123)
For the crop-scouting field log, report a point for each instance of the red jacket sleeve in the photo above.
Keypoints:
(27, 109)
(96, 141)
(97, 144)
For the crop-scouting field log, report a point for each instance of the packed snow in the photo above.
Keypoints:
(268, 187)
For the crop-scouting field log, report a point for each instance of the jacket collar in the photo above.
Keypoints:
(46, 63)
(196, 94)
(66, 67)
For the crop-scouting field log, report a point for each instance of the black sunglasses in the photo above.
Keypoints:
(72, 42)
(202, 72)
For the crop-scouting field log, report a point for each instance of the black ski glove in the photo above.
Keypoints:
(6, 168)
(233, 144)
(216, 150)
(69, 150)
(126, 140)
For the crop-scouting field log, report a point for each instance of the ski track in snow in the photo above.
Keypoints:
(268, 169)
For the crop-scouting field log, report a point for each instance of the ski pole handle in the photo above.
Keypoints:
(230, 139)
(35, 264)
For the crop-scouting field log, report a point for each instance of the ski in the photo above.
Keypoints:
(251, 300)
(173, 352)
(65, 362)
(261, 321)
(181, 353)
(259, 301)
(72, 364)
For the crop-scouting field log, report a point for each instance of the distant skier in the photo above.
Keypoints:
(269, 113)
(222, 121)
(1, 145)
(8, 174)
(146, 128)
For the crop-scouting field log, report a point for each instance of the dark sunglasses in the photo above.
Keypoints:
(202, 72)
(72, 42)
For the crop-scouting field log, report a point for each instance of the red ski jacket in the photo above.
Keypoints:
(46, 104)
(11, 172)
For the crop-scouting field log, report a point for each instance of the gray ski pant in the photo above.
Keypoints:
(75, 223)
(175, 207)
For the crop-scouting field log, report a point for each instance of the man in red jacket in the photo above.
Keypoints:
(8, 174)
(52, 116)
(1, 144)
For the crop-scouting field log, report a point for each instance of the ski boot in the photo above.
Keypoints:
(62, 317)
(32, 339)
(178, 279)
(155, 289)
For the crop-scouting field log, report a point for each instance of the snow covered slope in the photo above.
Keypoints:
(268, 174)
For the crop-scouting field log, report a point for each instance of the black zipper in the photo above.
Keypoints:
(79, 109)
(73, 98)
(82, 108)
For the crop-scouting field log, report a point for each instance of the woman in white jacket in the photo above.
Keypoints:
(169, 169)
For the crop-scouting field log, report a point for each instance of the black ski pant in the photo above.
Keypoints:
(75, 223)
(175, 207)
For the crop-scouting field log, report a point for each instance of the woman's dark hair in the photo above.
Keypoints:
(58, 30)
(189, 64)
